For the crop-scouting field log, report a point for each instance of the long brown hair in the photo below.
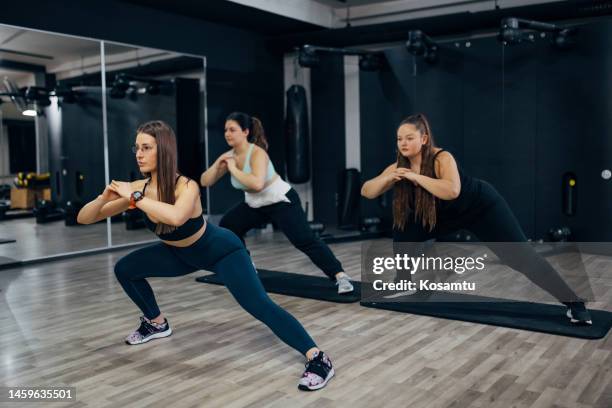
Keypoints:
(167, 167)
(254, 125)
(406, 194)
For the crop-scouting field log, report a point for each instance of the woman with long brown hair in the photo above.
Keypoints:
(173, 211)
(267, 197)
(434, 197)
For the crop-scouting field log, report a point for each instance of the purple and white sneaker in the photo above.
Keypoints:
(318, 372)
(149, 330)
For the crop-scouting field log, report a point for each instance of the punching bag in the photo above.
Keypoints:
(349, 196)
(297, 137)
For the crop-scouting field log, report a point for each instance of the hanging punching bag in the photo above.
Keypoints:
(297, 136)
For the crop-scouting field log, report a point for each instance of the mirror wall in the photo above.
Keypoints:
(69, 111)
(146, 84)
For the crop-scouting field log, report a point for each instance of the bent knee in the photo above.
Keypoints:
(123, 269)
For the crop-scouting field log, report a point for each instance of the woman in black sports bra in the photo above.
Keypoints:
(434, 197)
(173, 211)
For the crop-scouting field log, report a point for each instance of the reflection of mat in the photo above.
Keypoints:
(17, 213)
(294, 284)
(537, 317)
(6, 241)
(6, 262)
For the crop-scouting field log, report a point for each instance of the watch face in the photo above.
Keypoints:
(137, 195)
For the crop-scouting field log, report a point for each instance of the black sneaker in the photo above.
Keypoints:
(578, 313)
(149, 330)
(318, 372)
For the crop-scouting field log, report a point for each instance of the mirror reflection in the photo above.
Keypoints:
(51, 107)
(143, 85)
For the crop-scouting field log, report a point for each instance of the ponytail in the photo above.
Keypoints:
(254, 126)
(257, 133)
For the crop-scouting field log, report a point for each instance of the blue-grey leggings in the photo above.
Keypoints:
(219, 251)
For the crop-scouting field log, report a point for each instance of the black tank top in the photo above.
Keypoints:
(469, 193)
(190, 227)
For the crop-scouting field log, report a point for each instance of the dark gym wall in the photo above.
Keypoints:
(384, 101)
(556, 118)
(241, 73)
(574, 129)
(252, 93)
(328, 136)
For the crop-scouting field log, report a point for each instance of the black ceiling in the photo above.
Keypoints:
(285, 33)
(231, 14)
(445, 25)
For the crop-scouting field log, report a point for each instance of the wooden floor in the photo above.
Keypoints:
(63, 323)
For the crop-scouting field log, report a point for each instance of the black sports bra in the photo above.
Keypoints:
(190, 227)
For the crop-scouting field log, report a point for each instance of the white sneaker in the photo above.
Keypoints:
(344, 285)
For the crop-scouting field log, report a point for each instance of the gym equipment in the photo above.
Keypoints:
(569, 193)
(349, 198)
(32, 180)
(123, 83)
(560, 234)
(297, 135)
(6, 241)
(512, 31)
(7, 214)
(35, 96)
(46, 211)
(294, 284)
(71, 211)
(134, 219)
(536, 317)
(5, 192)
(4, 207)
(309, 57)
(351, 226)
(370, 224)
(419, 44)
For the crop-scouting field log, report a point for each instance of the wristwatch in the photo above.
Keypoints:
(136, 196)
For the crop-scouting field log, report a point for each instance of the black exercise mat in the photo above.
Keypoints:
(337, 239)
(295, 284)
(536, 317)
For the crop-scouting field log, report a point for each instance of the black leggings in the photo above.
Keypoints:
(492, 221)
(291, 219)
(220, 251)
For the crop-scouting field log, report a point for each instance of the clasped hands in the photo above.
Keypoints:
(402, 173)
(117, 189)
(228, 160)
